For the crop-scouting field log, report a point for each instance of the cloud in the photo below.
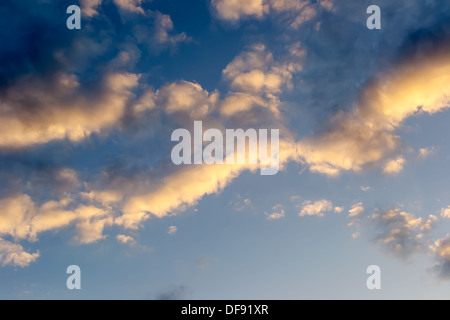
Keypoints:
(354, 214)
(441, 251)
(256, 71)
(15, 255)
(317, 208)
(173, 293)
(256, 80)
(356, 234)
(338, 209)
(124, 239)
(91, 230)
(34, 111)
(277, 213)
(186, 97)
(426, 152)
(401, 233)
(296, 12)
(21, 218)
(241, 203)
(156, 32)
(235, 9)
(366, 136)
(172, 230)
(89, 7)
(445, 212)
(113, 196)
(183, 188)
(130, 5)
(356, 210)
(394, 166)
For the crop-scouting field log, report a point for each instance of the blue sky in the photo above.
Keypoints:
(86, 176)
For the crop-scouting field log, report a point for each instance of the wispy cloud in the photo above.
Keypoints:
(278, 212)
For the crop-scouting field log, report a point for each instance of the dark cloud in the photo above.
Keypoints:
(401, 233)
(174, 293)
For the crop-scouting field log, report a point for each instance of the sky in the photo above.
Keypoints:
(87, 177)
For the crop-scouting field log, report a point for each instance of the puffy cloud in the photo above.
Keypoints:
(125, 239)
(36, 111)
(21, 218)
(394, 166)
(130, 5)
(338, 209)
(277, 213)
(441, 250)
(400, 232)
(297, 11)
(445, 212)
(235, 9)
(156, 31)
(238, 102)
(15, 255)
(163, 28)
(91, 230)
(356, 234)
(426, 152)
(255, 71)
(187, 97)
(89, 7)
(366, 135)
(256, 79)
(317, 208)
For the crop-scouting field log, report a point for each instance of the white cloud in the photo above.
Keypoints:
(235, 9)
(187, 97)
(394, 166)
(172, 230)
(126, 239)
(356, 235)
(445, 212)
(426, 152)
(317, 208)
(256, 71)
(21, 218)
(297, 12)
(338, 209)
(277, 213)
(356, 210)
(15, 255)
